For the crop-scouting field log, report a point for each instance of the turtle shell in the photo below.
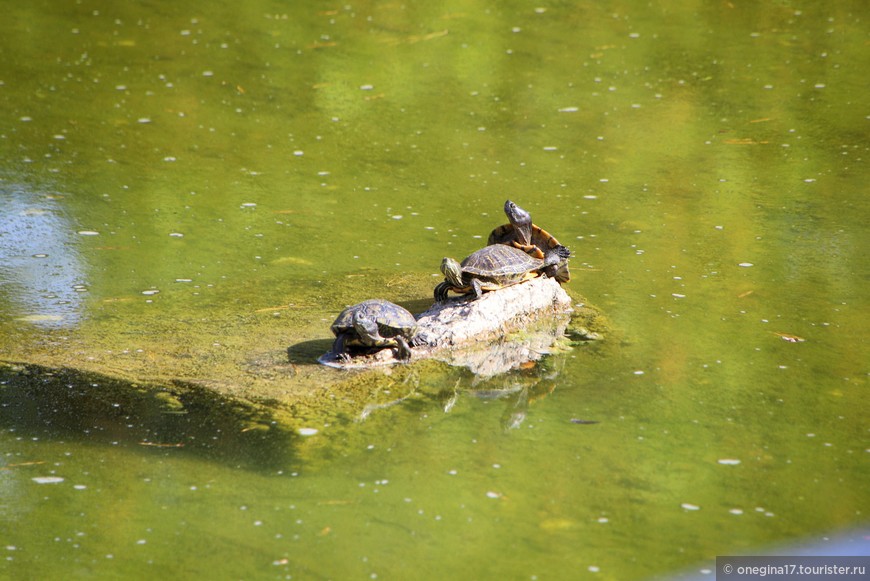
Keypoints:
(392, 319)
(501, 263)
(541, 242)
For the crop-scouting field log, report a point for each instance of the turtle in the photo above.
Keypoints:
(494, 267)
(374, 324)
(533, 239)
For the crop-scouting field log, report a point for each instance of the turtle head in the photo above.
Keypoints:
(521, 220)
(366, 327)
(452, 271)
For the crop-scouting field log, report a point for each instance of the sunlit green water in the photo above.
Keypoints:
(706, 165)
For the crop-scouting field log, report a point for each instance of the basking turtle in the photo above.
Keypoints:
(492, 268)
(374, 324)
(522, 234)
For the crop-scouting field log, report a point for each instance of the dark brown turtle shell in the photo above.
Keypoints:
(541, 241)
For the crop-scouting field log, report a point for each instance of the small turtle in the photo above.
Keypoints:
(374, 324)
(494, 267)
(522, 234)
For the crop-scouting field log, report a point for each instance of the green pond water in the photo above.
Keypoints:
(194, 190)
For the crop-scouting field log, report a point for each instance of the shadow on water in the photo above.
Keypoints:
(307, 352)
(62, 404)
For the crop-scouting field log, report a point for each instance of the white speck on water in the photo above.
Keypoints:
(47, 479)
(307, 431)
(516, 29)
(397, 217)
(366, 87)
(569, 109)
(452, 472)
(248, 205)
(26, 118)
(176, 235)
(590, 197)
(745, 264)
(810, 180)
(540, 10)
(120, 87)
(550, 148)
(144, 120)
(207, 73)
(604, 180)
(639, 372)
(603, 520)
(633, 35)
(150, 292)
(736, 511)
(678, 296)
(688, 506)
(79, 486)
(170, 158)
(183, 280)
(298, 153)
(141, 542)
(729, 461)
(88, 233)
(60, 137)
(820, 85)
(492, 494)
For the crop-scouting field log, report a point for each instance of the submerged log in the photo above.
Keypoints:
(495, 333)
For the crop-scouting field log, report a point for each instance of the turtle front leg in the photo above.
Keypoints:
(403, 347)
(339, 349)
(441, 291)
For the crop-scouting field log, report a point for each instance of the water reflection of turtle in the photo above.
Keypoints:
(374, 324)
(523, 234)
(494, 267)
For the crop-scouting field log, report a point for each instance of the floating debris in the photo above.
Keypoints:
(729, 461)
(307, 431)
(47, 479)
(789, 338)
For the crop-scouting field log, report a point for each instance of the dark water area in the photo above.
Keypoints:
(187, 190)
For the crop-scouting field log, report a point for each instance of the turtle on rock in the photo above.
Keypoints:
(374, 324)
(521, 233)
(493, 267)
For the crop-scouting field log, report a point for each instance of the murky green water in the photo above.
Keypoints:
(175, 175)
